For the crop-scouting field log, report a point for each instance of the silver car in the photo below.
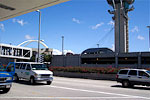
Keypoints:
(131, 77)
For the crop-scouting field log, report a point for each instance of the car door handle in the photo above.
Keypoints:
(139, 77)
(129, 76)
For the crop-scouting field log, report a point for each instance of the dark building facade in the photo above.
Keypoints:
(88, 58)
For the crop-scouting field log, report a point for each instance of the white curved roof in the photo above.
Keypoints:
(13, 8)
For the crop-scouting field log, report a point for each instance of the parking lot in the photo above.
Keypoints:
(75, 89)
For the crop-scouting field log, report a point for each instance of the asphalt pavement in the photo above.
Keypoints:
(75, 89)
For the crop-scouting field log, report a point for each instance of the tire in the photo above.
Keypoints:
(125, 83)
(16, 78)
(5, 90)
(49, 82)
(32, 81)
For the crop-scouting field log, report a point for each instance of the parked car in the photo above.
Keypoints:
(6, 76)
(33, 71)
(131, 77)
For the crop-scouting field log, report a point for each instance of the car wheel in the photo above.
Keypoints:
(5, 90)
(49, 82)
(32, 81)
(125, 83)
(16, 78)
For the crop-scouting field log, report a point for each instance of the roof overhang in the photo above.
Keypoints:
(13, 8)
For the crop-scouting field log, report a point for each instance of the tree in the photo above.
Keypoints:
(47, 58)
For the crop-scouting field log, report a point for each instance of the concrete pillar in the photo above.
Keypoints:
(79, 60)
(139, 60)
(64, 60)
(121, 37)
(116, 60)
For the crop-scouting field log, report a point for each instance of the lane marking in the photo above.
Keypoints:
(87, 85)
(79, 80)
(80, 84)
(65, 99)
(100, 92)
(70, 98)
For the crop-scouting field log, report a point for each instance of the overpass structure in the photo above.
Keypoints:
(15, 52)
(13, 8)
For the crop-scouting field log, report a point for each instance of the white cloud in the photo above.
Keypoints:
(113, 47)
(140, 37)
(135, 29)
(68, 51)
(28, 37)
(76, 20)
(2, 27)
(19, 21)
(97, 26)
(111, 23)
(57, 52)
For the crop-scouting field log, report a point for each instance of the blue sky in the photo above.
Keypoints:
(83, 23)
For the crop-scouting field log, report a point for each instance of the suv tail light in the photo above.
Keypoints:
(117, 76)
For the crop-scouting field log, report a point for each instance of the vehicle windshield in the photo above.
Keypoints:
(148, 72)
(39, 67)
(2, 68)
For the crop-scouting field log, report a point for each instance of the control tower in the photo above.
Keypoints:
(120, 12)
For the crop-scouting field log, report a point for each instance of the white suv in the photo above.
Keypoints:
(131, 77)
(33, 72)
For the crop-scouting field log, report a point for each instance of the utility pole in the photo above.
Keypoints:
(97, 45)
(149, 36)
(62, 45)
(39, 35)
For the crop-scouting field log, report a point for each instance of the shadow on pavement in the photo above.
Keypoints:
(28, 83)
(135, 87)
(1, 92)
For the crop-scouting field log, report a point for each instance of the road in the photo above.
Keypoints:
(75, 89)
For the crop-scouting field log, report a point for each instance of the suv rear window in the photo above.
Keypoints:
(123, 72)
(133, 72)
(142, 73)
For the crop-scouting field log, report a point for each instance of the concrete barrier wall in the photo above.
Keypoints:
(96, 76)
(72, 60)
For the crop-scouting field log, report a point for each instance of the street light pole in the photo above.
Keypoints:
(62, 45)
(98, 45)
(39, 35)
(149, 36)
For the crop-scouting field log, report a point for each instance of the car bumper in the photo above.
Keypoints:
(44, 79)
(5, 85)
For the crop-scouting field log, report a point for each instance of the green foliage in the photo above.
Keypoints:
(101, 70)
(32, 59)
(47, 58)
